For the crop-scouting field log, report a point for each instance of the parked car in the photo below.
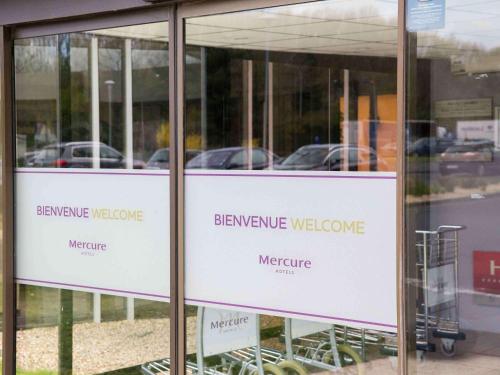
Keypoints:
(429, 146)
(330, 157)
(476, 157)
(160, 158)
(27, 158)
(80, 155)
(233, 158)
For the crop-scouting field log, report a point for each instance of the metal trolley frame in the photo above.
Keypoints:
(319, 350)
(248, 360)
(437, 268)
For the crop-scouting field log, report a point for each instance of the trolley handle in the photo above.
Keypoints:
(442, 229)
(449, 228)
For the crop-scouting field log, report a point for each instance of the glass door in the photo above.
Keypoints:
(290, 184)
(92, 199)
(452, 178)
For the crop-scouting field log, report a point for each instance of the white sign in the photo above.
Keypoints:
(227, 330)
(311, 245)
(441, 285)
(94, 230)
(425, 15)
(463, 108)
(480, 129)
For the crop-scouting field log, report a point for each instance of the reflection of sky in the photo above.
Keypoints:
(342, 9)
(366, 27)
(349, 27)
(362, 27)
(471, 22)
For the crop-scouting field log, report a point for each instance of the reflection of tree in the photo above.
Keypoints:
(193, 142)
(163, 135)
(36, 55)
(434, 45)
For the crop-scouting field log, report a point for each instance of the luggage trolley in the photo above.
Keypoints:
(371, 341)
(362, 338)
(437, 292)
(238, 348)
(316, 345)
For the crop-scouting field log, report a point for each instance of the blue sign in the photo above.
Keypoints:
(425, 14)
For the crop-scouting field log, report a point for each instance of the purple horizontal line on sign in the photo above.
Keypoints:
(92, 173)
(91, 287)
(292, 312)
(289, 176)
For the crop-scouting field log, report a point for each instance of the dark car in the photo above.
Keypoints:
(160, 159)
(429, 146)
(80, 155)
(233, 158)
(471, 157)
(330, 157)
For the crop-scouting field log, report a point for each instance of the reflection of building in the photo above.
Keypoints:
(41, 70)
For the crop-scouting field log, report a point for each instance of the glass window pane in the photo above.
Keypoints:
(82, 152)
(107, 152)
(280, 250)
(92, 246)
(452, 178)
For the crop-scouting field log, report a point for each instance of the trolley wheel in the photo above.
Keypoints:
(292, 368)
(420, 356)
(394, 362)
(480, 171)
(448, 347)
(350, 361)
(269, 369)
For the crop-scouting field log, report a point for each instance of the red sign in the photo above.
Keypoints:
(487, 271)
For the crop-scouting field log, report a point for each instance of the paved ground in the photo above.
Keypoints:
(99, 347)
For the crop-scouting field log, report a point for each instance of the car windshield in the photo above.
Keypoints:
(210, 159)
(307, 156)
(160, 156)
